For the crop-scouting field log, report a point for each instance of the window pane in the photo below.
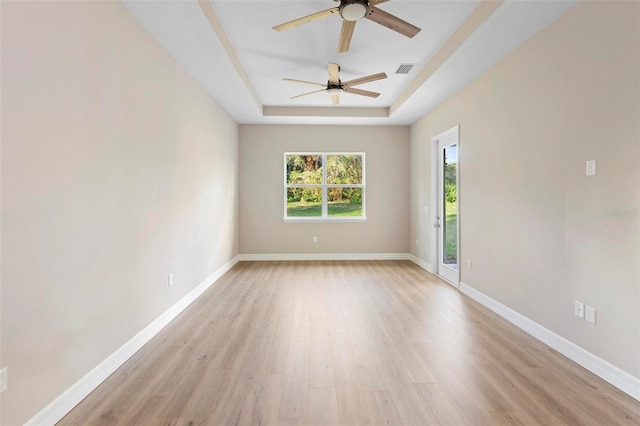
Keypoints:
(344, 201)
(304, 169)
(450, 202)
(304, 202)
(344, 169)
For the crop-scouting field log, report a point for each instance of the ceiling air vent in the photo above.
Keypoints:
(404, 68)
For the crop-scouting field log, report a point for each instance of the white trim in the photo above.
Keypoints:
(324, 256)
(454, 131)
(434, 206)
(421, 263)
(448, 281)
(316, 219)
(66, 401)
(614, 375)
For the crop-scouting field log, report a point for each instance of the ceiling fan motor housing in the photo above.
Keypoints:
(353, 10)
(334, 89)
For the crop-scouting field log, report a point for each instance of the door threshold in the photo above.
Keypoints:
(448, 281)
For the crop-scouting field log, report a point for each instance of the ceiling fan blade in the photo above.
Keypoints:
(367, 79)
(362, 92)
(345, 35)
(304, 82)
(392, 22)
(335, 99)
(308, 18)
(334, 77)
(309, 93)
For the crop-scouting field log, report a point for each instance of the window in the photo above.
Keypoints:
(324, 186)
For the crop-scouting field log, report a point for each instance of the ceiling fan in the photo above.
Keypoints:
(351, 11)
(335, 86)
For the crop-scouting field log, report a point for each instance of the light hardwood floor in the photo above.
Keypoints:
(349, 342)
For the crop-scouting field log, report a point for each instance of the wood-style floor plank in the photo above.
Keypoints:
(351, 343)
(382, 408)
(323, 407)
(295, 395)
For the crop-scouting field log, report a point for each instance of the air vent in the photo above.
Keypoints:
(404, 68)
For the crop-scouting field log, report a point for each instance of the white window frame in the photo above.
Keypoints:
(325, 213)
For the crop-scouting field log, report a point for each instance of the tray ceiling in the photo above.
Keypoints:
(231, 50)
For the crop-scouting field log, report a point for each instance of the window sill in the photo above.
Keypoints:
(324, 219)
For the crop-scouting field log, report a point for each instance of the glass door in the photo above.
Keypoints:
(446, 222)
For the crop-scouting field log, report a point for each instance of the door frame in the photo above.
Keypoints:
(435, 203)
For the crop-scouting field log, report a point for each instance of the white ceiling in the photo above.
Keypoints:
(236, 56)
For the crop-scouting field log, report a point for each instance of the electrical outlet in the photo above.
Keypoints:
(315, 239)
(469, 264)
(579, 309)
(170, 280)
(3, 380)
(417, 242)
(590, 314)
(591, 168)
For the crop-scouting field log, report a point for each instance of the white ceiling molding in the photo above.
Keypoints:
(208, 11)
(479, 15)
(325, 112)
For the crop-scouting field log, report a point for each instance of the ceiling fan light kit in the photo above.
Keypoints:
(353, 10)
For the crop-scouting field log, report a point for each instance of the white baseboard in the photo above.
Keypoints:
(64, 403)
(337, 256)
(323, 256)
(617, 377)
(421, 263)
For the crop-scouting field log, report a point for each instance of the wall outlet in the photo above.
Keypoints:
(469, 264)
(579, 309)
(591, 168)
(3, 380)
(170, 280)
(590, 314)
(315, 239)
(417, 242)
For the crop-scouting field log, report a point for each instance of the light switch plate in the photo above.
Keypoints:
(590, 314)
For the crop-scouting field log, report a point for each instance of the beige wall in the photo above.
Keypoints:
(262, 230)
(539, 231)
(116, 171)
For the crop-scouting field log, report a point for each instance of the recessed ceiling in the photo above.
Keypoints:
(231, 50)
